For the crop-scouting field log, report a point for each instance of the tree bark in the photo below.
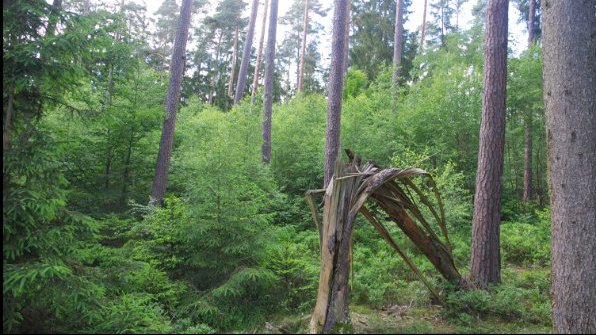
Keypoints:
(269, 77)
(246, 53)
(527, 196)
(347, 42)
(233, 66)
(397, 41)
(423, 30)
(486, 259)
(336, 74)
(167, 136)
(569, 45)
(302, 56)
(255, 81)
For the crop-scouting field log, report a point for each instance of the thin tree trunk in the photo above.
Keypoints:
(423, 30)
(336, 74)
(246, 53)
(569, 46)
(485, 265)
(255, 81)
(397, 41)
(215, 71)
(527, 196)
(531, 23)
(108, 166)
(8, 118)
(539, 178)
(167, 136)
(233, 66)
(126, 173)
(303, 56)
(269, 77)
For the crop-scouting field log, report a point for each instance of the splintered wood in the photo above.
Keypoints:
(351, 187)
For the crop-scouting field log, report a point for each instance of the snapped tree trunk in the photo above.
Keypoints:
(167, 135)
(485, 265)
(569, 45)
(348, 191)
(336, 75)
(269, 77)
(302, 56)
(255, 80)
(397, 41)
(246, 53)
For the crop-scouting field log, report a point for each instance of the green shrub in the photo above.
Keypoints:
(524, 243)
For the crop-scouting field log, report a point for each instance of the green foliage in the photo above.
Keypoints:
(293, 258)
(356, 82)
(525, 243)
(132, 313)
(298, 129)
(234, 246)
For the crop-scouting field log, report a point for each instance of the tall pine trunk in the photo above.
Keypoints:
(486, 258)
(527, 196)
(255, 81)
(269, 77)
(334, 95)
(303, 55)
(397, 41)
(233, 66)
(246, 53)
(569, 45)
(160, 180)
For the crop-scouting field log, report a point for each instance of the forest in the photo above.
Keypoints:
(224, 166)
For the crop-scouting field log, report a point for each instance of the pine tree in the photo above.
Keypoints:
(335, 88)
(255, 81)
(160, 180)
(486, 258)
(246, 53)
(269, 77)
(570, 101)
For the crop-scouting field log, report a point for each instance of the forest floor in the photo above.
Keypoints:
(407, 319)
(428, 318)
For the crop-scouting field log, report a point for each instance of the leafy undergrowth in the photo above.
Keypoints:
(520, 305)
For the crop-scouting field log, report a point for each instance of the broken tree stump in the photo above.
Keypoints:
(352, 185)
